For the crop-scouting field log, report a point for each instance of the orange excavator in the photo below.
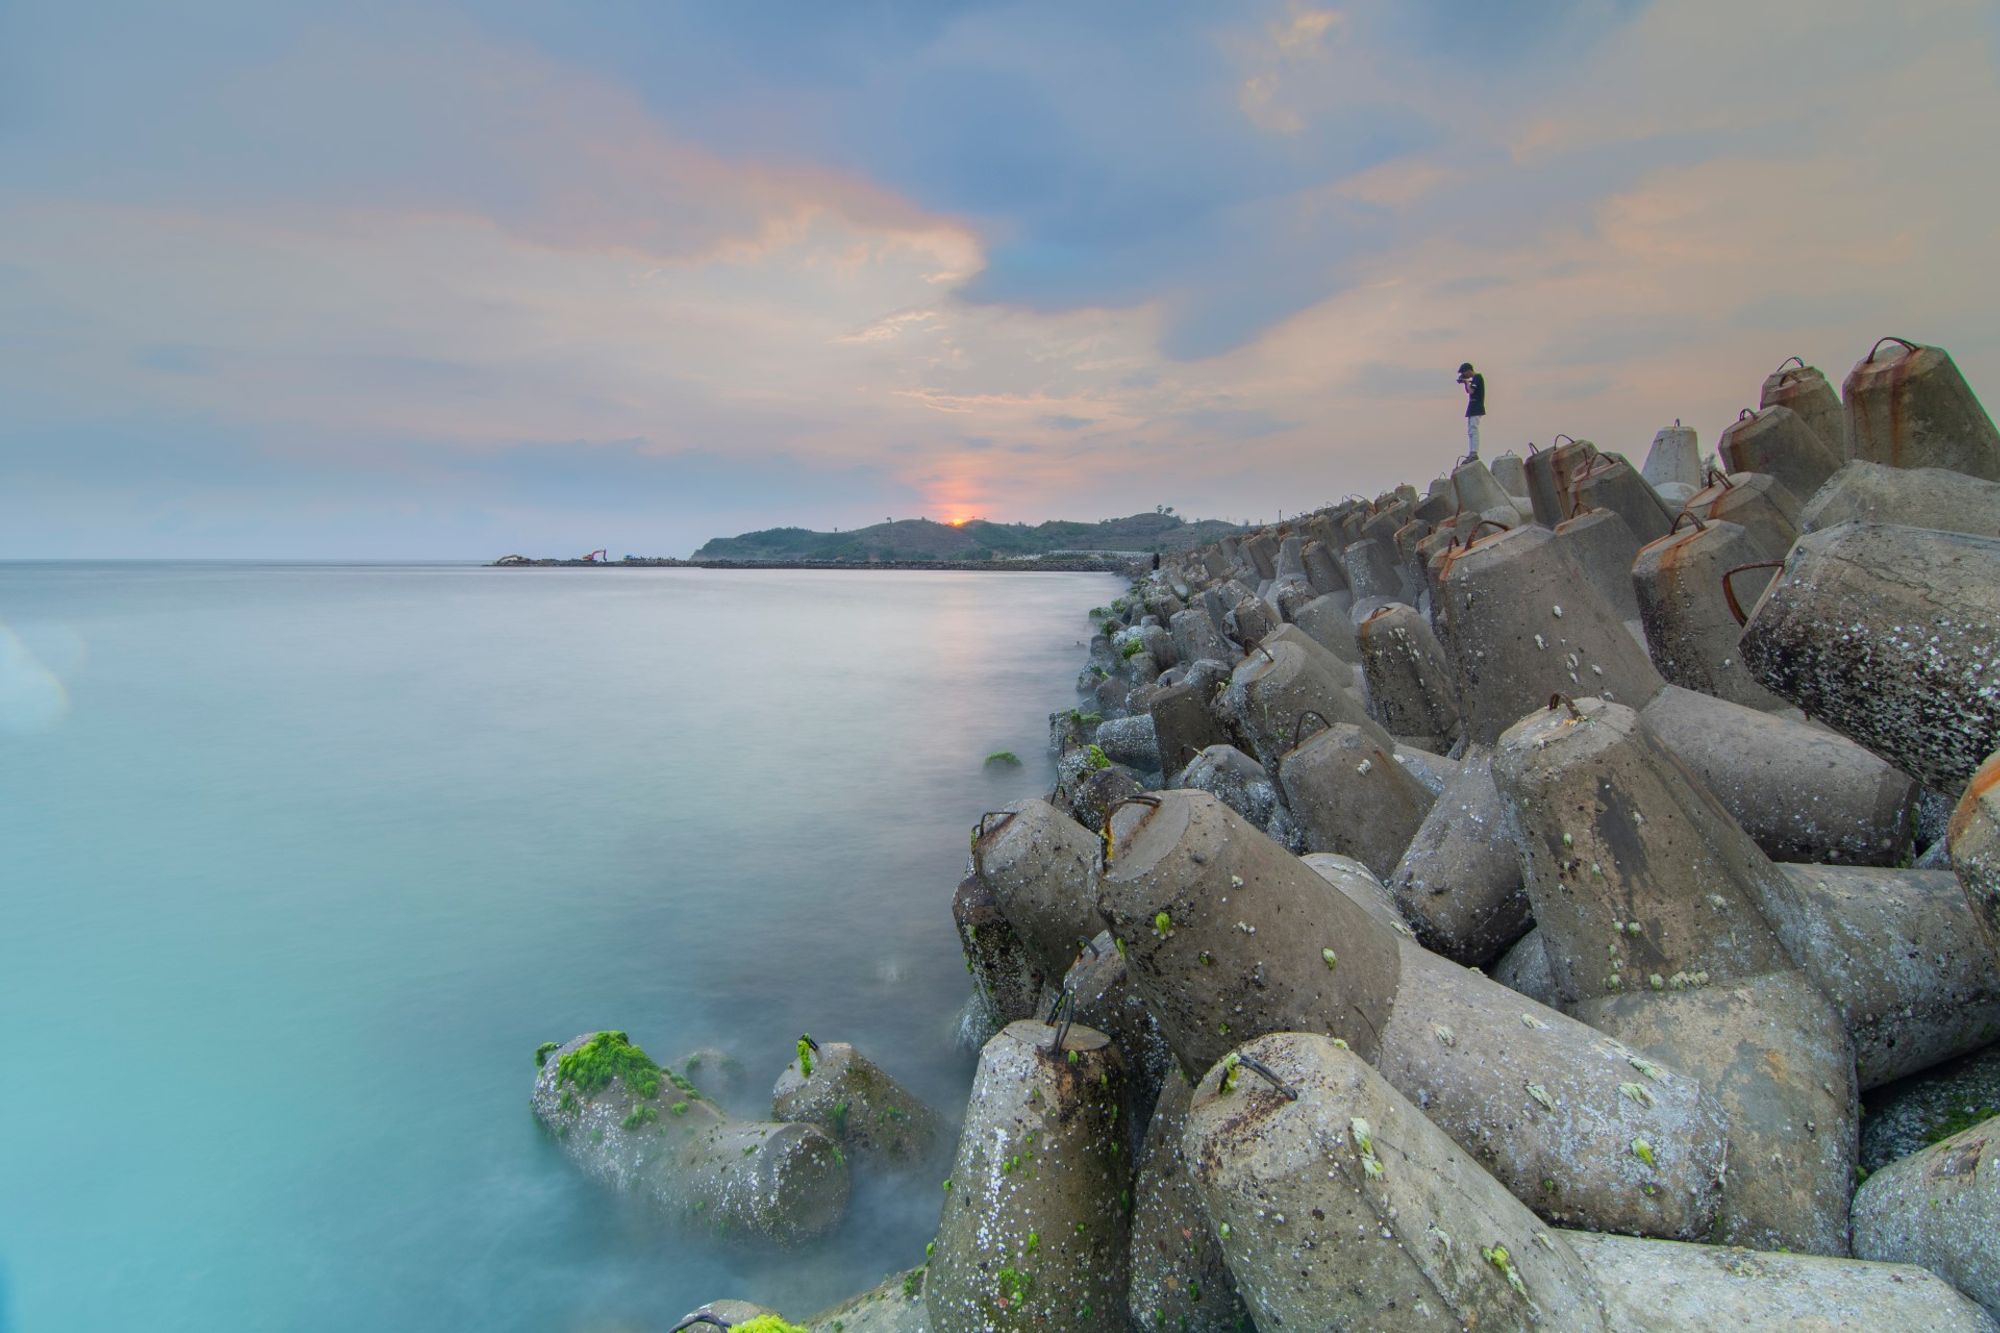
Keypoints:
(598, 556)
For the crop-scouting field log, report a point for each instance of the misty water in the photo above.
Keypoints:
(298, 864)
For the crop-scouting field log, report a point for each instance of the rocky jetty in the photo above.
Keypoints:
(1533, 902)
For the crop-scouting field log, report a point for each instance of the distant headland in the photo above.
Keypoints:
(921, 543)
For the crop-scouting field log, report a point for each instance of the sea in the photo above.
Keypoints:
(300, 863)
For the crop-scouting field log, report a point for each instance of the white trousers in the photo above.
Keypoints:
(1472, 436)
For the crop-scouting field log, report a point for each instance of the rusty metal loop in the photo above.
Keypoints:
(699, 1317)
(1892, 338)
(1729, 592)
(1717, 477)
(1687, 513)
(1565, 701)
(1065, 1001)
(1269, 1075)
(1300, 721)
(1801, 360)
(1486, 523)
(1267, 654)
(1533, 449)
(1560, 436)
(1746, 412)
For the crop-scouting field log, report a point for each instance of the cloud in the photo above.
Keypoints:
(419, 286)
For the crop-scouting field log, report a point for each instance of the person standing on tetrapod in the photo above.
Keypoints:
(1474, 385)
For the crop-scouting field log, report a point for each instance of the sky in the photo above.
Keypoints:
(430, 279)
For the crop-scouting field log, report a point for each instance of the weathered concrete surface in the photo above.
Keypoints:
(1651, 1286)
(1034, 1233)
(1911, 407)
(1371, 570)
(1360, 885)
(646, 1131)
(1649, 897)
(1350, 796)
(874, 1119)
(1804, 389)
(1604, 547)
(1179, 1278)
(1235, 779)
(1274, 690)
(1633, 867)
(1512, 474)
(1007, 980)
(1183, 726)
(1940, 1209)
(1774, 1054)
(1409, 679)
(1802, 792)
(1345, 1208)
(1918, 497)
(1974, 840)
(896, 1306)
(1689, 629)
(1037, 863)
(1890, 635)
(1757, 502)
(1101, 986)
(1131, 741)
(1776, 440)
(1544, 498)
(1674, 457)
(1898, 953)
(1612, 483)
(1459, 882)
(1228, 933)
(1522, 622)
(1525, 968)
(1551, 1107)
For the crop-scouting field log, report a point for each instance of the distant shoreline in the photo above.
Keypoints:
(1106, 564)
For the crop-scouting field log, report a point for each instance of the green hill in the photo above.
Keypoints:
(921, 539)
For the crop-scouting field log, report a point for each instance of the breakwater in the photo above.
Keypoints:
(1048, 564)
(1499, 905)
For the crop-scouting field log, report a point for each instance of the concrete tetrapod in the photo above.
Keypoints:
(1612, 483)
(1604, 547)
(1900, 955)
(1007, 980)
(1183, 725)
(1409, 678)
(1543, 496)
(1974, 840)
(870, 1115)
(1341, 1207)
(1037, 865)
(1034, 1233)
(1689, 629)
(1326, 622)
(1939, 1208)
(641, 1128)
(1228, 936)
(1275, 688)
(1917, 497)
(1350, 796)
(1521, 622)
(1802, 792)
(1913, 672)
(1459, 882)
(1674, 457)
(1100, 987)
(894, 1306)
(1650, 900)
(1912, 408)
(1179, 1279)
(1777, 441)
(1804, 389)
(1757, 502)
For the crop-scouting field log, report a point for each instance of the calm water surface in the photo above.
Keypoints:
(298, 865)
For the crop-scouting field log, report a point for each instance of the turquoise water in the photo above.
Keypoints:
(298, 865)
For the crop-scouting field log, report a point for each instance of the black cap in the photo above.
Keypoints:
(1465, 368)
